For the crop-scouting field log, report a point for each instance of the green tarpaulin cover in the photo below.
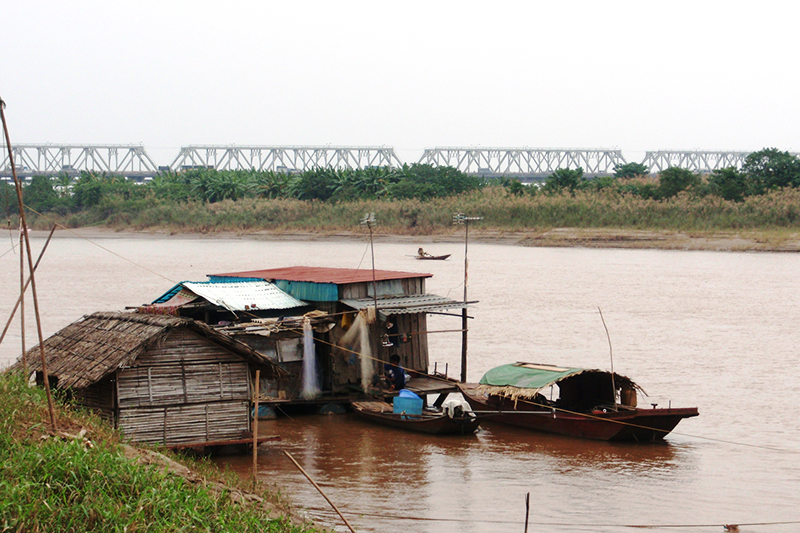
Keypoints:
(527, 375)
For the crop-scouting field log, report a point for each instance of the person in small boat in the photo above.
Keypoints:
(422, 253)
(394, 373)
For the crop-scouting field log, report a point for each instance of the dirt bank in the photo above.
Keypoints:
(750, 241)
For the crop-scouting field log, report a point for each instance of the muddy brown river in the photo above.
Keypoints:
(716, 330)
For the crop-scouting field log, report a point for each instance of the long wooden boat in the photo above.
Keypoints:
(433, 422)
(587, 406)
(433, 257)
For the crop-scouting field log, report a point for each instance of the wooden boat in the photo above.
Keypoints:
(433, 257)
(434, 422)
(587, 405)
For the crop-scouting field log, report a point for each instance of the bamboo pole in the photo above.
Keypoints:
(27, 282)
(21, 204)
(464, 327)
(460, 218)
(22, 302)
(320, 491)
(611, 355)
(255, 427)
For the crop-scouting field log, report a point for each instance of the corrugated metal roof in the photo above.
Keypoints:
(243, 295)
(400, 305)
(339, 276)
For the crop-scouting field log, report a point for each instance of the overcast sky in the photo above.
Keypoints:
(635, 76)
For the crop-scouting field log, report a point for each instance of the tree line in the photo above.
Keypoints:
(762, 172)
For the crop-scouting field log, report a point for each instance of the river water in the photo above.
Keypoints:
(716, 330)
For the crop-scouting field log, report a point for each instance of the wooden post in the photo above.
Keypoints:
(527, 509)
(255, 426)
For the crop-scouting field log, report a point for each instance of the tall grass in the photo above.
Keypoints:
(501, 211)
(62, 484)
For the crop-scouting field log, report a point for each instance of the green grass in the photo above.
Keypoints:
(67, 484)
(501, 211)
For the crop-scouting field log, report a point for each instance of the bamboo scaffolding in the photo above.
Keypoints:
(24, 224)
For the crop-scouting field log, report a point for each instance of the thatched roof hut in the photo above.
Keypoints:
(159, 378)
(91, 348)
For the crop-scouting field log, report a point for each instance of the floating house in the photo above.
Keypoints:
(331, 329)
(158, 378)
(370, 316)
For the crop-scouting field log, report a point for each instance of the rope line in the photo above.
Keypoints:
(78, 235)
(570, 524)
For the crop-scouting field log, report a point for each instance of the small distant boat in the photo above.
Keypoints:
(422, 254)
(587, 406)
(438, 422)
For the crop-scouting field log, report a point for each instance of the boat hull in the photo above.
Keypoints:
(432, 257)
(431, 423)
(628, 424)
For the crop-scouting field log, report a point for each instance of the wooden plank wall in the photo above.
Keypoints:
(410, 287)
(100, 398)
(414, 352)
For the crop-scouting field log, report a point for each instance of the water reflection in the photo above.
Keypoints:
(379, 476)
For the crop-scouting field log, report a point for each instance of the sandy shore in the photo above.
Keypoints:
(763, 241)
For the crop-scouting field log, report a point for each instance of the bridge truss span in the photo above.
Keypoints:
(52, 159)
(696, 160)
(523, 163)
(285, 158)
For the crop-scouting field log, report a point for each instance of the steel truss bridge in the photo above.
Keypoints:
(523, 163)
(285, 158)
(703, 162)
(526, 164)
(50, 159)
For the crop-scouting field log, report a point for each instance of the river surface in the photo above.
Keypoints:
(716, 330)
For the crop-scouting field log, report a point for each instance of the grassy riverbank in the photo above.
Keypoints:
(769, 222)
(84, 478)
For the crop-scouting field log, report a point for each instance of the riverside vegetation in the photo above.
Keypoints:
(763, 197)
(84, 478)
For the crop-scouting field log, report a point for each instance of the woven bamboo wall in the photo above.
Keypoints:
(186, 424)
(186, 389)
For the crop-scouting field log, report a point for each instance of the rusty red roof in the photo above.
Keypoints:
(338, 276)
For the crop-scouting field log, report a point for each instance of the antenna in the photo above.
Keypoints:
(369, 220)
(459, 219)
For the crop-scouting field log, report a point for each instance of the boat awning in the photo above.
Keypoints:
(251, 295)
(527, 375)
(402, 305)
(534, 377)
